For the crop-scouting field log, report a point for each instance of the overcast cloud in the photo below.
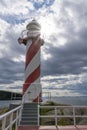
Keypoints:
(64, 55)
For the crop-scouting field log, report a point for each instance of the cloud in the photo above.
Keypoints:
(69, 58)
(15, 7)
(10, 71)
(65, 85)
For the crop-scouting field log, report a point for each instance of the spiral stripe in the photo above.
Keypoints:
(32, 65)
(40, 98)
(33, 49)
(32, 77)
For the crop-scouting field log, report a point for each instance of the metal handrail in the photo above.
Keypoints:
(4, 118)
(56, 116)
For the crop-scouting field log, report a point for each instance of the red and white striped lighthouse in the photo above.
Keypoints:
(32, 90)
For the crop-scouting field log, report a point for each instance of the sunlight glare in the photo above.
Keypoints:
(47, 27)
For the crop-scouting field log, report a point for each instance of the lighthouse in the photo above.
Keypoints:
(32, 90)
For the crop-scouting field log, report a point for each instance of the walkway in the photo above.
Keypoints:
(63, 128)
(82, 127)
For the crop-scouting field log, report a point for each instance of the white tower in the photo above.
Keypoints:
(32, 90)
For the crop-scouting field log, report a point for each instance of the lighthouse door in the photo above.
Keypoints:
(28, 96)
(32, 93)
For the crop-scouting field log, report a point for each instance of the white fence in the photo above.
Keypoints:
(56, 116)
(10, 118)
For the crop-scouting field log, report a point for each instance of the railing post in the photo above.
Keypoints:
(16, 125)
(55, 116)
(3, 123)
(11, 96)
(11, 119)
(38, 98)
(74, 118)
(38, 115)
(20, 112)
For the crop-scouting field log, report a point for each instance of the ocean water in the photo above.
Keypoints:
(78, 100)
(6, 103)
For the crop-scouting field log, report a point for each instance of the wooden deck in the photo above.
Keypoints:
(80, 127)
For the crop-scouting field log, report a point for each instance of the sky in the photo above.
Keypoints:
(64, 54)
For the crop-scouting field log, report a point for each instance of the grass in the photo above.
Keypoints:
(3, 110)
